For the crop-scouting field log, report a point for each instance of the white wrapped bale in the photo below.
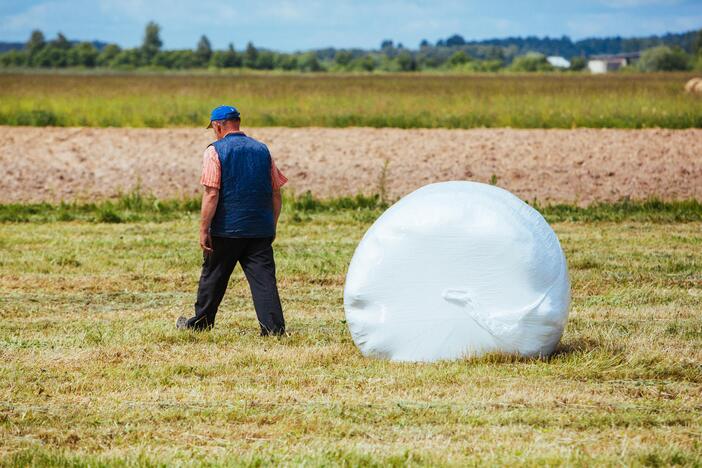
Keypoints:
(457, 269)
(694, 86)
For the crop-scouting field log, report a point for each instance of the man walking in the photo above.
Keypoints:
(240, 209)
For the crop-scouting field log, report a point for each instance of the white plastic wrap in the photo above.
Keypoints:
(457, 269)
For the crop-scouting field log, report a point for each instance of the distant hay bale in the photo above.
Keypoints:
(694, 86)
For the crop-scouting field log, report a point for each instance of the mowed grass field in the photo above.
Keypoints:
(93, 371)
(399, 100)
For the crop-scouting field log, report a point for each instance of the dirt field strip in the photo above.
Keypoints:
(581, 166)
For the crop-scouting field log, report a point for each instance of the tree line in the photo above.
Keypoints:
(566, 47)
(670, 52)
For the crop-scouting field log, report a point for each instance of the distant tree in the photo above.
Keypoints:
(578, 63)
(250, 56)
(61, 42)
(14, 58)
(227, 58)
(203, 52)
(366, 63)
(697, 51)
(36, 42)
(531, 62)
(424, 44)
(663, 58)
(51, 57)
(458, 58)
(286, 62)
(265, 60)
(429, 58)
(233, 58)
(697, 43)
(363, 63)
(126, 59)
(184, 59)
(218, 59)
(164, 59)
(309, 62)
(406, 61)
(387, 44)
(175, 59)
(152, 41)
(455, 41)
(343, 58)
(495, 53)
(491, 66)
(108, 54)
(83, 55)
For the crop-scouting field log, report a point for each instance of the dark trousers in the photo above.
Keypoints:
(256, 258)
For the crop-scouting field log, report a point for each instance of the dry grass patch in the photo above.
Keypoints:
(93, 371)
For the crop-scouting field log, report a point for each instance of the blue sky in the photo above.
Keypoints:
(303, 24)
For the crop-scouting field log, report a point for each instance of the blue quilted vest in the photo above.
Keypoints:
(245, 207)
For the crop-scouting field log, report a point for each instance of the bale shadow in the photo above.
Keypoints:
(564, 350)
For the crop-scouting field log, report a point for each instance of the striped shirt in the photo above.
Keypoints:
(212, 171)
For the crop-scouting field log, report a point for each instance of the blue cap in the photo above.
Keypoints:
(223, 113)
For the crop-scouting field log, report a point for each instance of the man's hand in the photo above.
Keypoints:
(210, 197)
(206, 242)
(277, 206)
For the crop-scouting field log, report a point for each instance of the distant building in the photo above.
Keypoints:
(558, 62)
(608, 63)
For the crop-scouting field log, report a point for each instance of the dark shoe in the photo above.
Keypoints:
(194, 323)
(182, 323)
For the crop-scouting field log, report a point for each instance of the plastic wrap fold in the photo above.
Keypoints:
(457, 269)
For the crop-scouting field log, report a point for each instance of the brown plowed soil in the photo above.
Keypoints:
(581, 165)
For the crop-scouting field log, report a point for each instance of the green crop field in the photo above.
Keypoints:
(401, 100)
(94, 372)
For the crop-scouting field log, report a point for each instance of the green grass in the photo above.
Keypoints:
(137, 207)
(404, 100)
(94, 373)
